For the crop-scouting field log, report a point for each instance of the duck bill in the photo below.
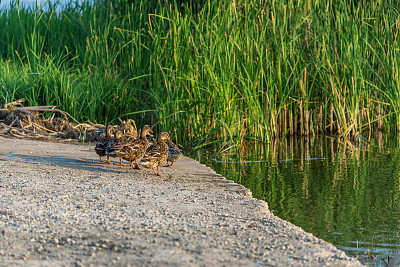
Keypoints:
(151, 133)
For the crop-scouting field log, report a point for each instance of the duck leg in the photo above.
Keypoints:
(154, 171)
(158, 170)
(108, 160)
(168, 164)
(137, 165)
(120, 162)
(101, 160)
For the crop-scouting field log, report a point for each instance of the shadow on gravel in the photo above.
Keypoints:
(70, 163)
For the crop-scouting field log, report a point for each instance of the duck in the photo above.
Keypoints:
(110, 150)
(128, 129)
(132, 150)
(174, 154)
(156, 156)
(102, 143)
(131, 132)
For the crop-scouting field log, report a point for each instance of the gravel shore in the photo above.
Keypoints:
(60, 206)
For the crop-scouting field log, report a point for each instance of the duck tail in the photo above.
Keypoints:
(146, 164)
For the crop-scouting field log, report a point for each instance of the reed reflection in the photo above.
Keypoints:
(343, 191)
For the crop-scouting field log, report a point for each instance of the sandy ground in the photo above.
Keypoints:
(59, 206)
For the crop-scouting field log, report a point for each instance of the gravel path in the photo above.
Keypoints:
(59, 206)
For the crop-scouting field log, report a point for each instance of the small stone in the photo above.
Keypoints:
(223, 224)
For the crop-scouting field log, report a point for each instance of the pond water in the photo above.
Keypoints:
(343, 192)
(44, 4)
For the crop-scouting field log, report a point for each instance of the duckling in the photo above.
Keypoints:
(133, 150)
(102, 143)
(174, 154)
(158, 154)
(110, 147)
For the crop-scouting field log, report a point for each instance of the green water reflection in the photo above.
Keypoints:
(342, 192)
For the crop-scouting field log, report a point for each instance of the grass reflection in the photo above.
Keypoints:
(342, 191)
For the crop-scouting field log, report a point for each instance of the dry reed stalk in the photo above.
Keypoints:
(320, 125)
(379, 138)
(362, 116)
(307, 147)
(274, 124)
(290, 120)
(47, 108)
(312, 131)
(275, 146)
(307, 122)
(302, 154)
(15, 103)
(279, 123)
(331, 119)
(96, 125)
(291, 145)
(285, 124)
(380, 120)
(301, 119)
(27, 122)
(356, 117)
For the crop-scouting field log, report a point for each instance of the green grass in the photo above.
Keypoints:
(211, 73)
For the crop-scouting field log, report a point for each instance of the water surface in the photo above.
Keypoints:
(44, 4)
(347, 193)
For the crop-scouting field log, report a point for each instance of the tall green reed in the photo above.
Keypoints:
(214, 73)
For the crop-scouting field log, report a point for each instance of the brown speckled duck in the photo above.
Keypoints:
(110, 147)
(133, 150)
(102, 143)
(174, 153)
(157, 155)
(128, 129)
(131, 131)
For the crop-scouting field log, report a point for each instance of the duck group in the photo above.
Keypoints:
(125, 142)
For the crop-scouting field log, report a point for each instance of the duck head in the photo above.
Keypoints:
(145, 130)
(109, 129)
(163, 136)
(118, 134)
